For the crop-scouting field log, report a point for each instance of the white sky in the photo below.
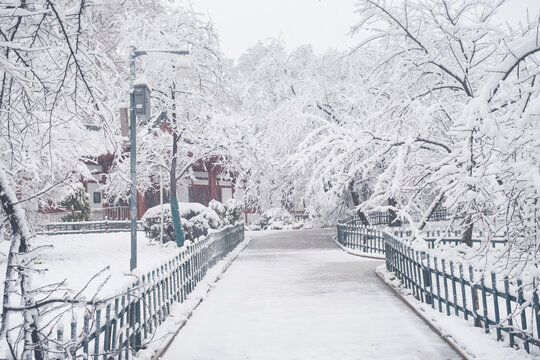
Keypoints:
(322, 23)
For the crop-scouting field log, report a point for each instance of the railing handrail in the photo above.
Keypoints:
(428, 234)
(429, 282)
(82, 227)
(90, 222)
(120, 325)
(457, 290)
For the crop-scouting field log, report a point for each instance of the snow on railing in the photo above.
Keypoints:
(121, 326)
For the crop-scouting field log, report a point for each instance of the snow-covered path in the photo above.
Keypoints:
(295, 295)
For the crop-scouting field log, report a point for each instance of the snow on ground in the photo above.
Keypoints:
(295, 295)
(181, 312)
(76, 258)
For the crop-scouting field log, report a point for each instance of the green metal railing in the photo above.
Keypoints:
(451, 288)
(383, 217)
(119, 327)
(498, 305)
(354, 236)
(86, 227)
(450, 237)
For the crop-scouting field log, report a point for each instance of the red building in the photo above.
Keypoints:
(207, 184)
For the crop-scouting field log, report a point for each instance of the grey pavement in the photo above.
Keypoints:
(296, 295)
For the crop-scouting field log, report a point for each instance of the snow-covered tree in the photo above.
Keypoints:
(470, 93)
(184, 128)
(51, 103)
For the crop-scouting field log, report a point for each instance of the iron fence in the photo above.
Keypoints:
(96, 214)
(352, 234)
(506, 306)
(357, 237)
(120, 327)
(383, 217)
(86, 227)
(452, 237)
(497, 305)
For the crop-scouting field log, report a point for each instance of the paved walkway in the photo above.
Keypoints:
(295, 295)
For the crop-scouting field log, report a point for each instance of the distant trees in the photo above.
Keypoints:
(456, 129)
(435, 108)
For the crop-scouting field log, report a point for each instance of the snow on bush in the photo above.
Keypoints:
(230, 212)
(196, 220)
(279, 219)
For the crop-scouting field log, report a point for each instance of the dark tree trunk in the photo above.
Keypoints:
(392, 215)
(436, 203)
(466, 237)
(356, 201)
(19, 244)
(14, 220)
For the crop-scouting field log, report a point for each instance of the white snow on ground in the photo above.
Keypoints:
(181, 312)
(295, 295)
(76, 258)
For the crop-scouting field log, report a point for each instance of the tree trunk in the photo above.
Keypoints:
(356, 201)
(392, 215)
(175, 214)
(466, 237)
(431, 210)
(16, 274)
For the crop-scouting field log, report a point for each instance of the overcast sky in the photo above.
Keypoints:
(322, 23)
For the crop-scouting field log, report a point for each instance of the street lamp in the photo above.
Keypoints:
(144, 110)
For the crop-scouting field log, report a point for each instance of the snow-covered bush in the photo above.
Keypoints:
(279, 219)
(196, 220)
(230, 212)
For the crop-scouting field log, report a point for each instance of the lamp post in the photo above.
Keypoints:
(134, 53)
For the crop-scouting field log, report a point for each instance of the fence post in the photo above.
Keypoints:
(484, 305)
(521, 300)
(96, 339)
(427, 283)
(454, 289)
(137, 314)
(536, 309)
(508, 309)
(73, 337)
(463, 294)
(60, 340)
(496, 305)
(474, 297)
